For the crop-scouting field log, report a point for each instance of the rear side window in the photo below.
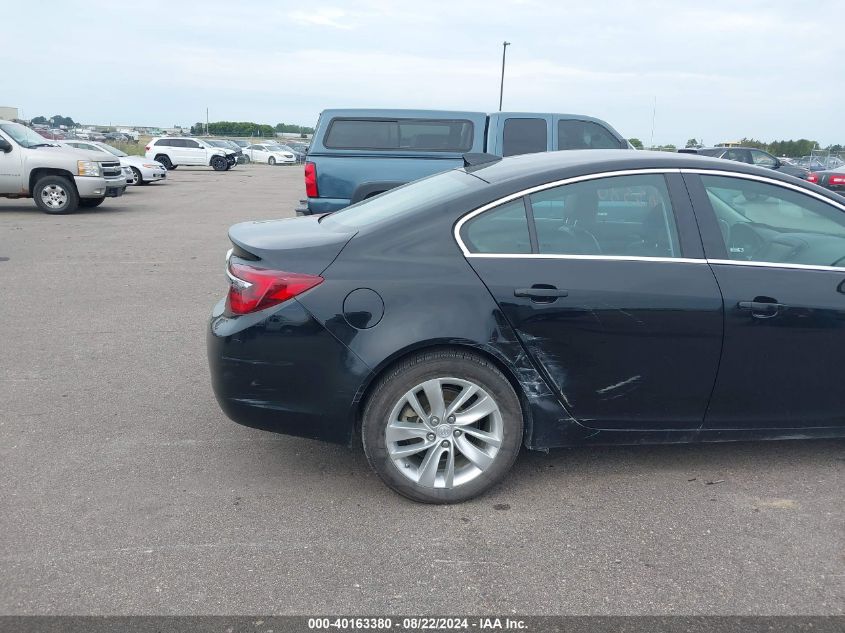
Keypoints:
(573, 134)
(627, 216)
(524, 136)
(165, 142)
(400, 134)
(500, 230)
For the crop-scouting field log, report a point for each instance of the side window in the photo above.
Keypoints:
(739, 155)
(503, 229)
(619, 216)
(401, 134)
(190, 143)
(162, 142)
(175, 142)
(572, 134)
(762, 222)
(763, 159)
(524, 136)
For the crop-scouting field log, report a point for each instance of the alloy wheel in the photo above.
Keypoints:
(54, 196)
(444, 432)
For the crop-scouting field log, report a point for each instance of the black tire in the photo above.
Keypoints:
(138, 179)
(165, 160)
(90, 203)
(55, 195)
(219, 163)
(388, 394)
(271, 161)
(246, 159)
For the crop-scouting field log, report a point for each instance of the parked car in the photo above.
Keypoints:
(228, 146)
(833, 179)
(269, 153)
(356, 154)
(298, 155)
(142, 170)
(172, 152)
(751, 156)
(53, 135)
(819, 163)
(240, 143)
(59, 179)
(556, 299)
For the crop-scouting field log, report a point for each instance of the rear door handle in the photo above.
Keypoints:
(764, 309)
(540, 292)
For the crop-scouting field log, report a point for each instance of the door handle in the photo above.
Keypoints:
(540, 292)
(762, 307)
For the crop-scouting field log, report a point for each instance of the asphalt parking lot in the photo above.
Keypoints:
(125, 490)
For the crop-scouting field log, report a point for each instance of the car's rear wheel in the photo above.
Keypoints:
(246, 159)
(442, 426)
(271, 161)
(165, 160)
(55, 195)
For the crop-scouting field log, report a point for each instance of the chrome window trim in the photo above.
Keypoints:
(633, 172)
(550, 185)
(732, 262)
(605, 258)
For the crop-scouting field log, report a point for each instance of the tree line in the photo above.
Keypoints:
(247, 128)
(791, 148)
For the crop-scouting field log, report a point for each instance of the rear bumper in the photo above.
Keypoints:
(316, 206)
(280, 370)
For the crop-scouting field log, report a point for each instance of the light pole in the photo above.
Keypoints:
(502, 84)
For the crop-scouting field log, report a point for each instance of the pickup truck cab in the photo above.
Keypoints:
(59, 179)
(356, 154)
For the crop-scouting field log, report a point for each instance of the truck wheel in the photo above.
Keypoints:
(90, 203)
(55, 195)
(165, 160)
(219, 163)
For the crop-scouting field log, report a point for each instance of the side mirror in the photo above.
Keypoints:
(5, 146)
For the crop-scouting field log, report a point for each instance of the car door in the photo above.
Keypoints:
(195, 154)
(11, 166)
(604, 281)
(778, 253)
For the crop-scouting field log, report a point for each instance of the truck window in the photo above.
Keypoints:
(401, 134)
(572, 134)
(524, 136)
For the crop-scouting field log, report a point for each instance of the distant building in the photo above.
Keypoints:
(9, 114)
(729, 144)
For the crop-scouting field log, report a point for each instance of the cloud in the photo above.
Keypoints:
(324, 16)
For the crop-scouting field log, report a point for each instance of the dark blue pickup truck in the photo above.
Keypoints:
(356, 154)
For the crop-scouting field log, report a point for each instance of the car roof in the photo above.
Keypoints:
(544, 167)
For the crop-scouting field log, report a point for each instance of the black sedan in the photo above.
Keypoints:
(579, 297)
(833, 179)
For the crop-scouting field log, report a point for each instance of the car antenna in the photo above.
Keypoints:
(480, 158)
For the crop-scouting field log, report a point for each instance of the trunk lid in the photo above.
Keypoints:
(297, 245)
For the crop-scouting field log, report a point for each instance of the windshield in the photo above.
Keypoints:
(112, 150)
(23, 136)
(421, 194)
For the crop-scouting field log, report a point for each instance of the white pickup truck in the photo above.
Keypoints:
(59, 179)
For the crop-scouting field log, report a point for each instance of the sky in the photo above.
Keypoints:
(664, 71)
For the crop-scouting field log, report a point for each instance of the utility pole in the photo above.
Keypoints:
(206, 121)
(502, 84)
(653, 116)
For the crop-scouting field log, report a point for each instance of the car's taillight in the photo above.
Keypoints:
(311, 180)
(147, 148)
(812, 178)
(252, 289)
(836, 179)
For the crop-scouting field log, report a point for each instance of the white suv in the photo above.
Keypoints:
(174, 151)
